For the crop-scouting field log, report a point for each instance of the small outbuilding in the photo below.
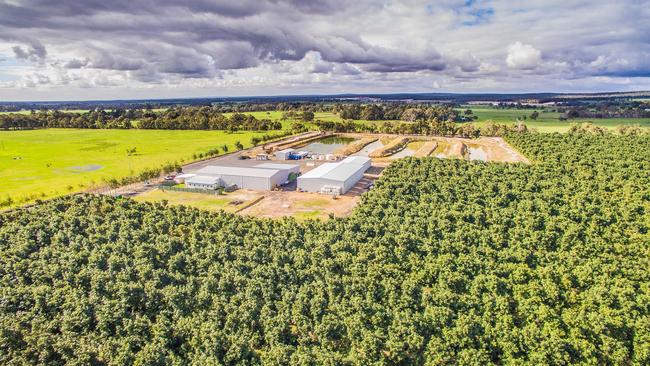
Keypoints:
(179, 179)
(202, 182)
(284, 154)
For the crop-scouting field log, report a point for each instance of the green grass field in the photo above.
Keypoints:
(198, 200)
(547, 121)
(50, 162)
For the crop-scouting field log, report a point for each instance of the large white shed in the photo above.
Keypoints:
(249, 178)
(285, 169)
(359, 160)
(332, 177)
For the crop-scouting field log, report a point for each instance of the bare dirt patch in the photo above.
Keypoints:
(229, 202)
(426, 149)
(301, 205)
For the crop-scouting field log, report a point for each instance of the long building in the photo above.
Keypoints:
(334, 178)
(263, 177)
(248, 178)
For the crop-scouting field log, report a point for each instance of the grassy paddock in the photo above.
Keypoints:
(51, 162)
(547, 121)
(198, 200)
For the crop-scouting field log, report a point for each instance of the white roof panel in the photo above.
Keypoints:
(319, 171)
(277, 166)
(356, 160)
(202, 179)
(189, 175)
(236, 170)
(333, 171)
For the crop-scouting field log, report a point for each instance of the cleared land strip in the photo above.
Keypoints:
(426, 149)
(393, 147)
(355, 146)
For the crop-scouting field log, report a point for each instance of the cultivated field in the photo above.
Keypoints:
(45, 163)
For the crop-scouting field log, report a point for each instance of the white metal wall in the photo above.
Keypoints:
(316, 184)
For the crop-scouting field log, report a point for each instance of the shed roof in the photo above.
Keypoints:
(277, 166)
(333, 171)
(202, 179)
(185, 176)
(287, 150)
(356, 160)
(236, 170)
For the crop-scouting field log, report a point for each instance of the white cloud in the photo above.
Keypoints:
(523, 56)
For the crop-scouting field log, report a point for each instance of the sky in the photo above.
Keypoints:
(138, 49)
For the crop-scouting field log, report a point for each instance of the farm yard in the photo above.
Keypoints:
(273, 204)
(44, 163)
(49, 162)
(288, 201)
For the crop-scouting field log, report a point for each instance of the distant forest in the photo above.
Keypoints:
(420, 118)
(188, 118)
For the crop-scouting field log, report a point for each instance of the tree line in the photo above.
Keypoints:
(185, 118)
(434, 127)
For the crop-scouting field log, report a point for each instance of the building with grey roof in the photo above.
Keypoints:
(202, 182)
(334, 178)
(260, 179)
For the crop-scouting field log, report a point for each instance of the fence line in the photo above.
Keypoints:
(191, 190)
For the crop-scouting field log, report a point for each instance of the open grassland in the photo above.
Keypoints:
(50, 162)
(547, 121)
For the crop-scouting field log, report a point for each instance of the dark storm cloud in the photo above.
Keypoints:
(167, 41)
(196, 38)
(33, 52)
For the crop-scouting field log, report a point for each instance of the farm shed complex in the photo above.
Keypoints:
(263, 177)
(334, 178)
(289, 168)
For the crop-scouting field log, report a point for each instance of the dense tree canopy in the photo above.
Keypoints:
(444, 262)
(185, 118)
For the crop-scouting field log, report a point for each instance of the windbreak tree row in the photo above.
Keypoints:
(443, 262)
(186, 118)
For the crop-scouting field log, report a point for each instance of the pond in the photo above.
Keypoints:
(326, 145)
